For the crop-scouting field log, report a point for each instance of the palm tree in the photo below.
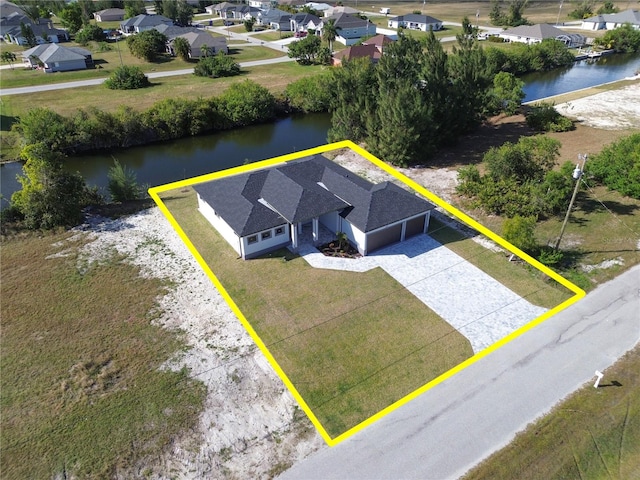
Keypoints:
(205, 51)
(329, 32)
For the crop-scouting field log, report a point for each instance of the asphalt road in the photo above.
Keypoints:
(151, 75)
(452, 427)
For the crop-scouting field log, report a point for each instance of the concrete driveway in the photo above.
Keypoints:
(478, 306)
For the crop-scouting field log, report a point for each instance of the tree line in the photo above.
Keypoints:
(90, 129)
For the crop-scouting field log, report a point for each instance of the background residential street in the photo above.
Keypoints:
(452, 427)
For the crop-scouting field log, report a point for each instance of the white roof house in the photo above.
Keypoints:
(612, 21)
(531, 34)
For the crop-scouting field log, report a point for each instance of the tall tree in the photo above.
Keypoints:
(354, 101)
(27, 32)
(181, 48)
(133, 8)
(50, 196)
(329, 32)
(170, 9)
(71, 17)
(470, 78)
(184, 14)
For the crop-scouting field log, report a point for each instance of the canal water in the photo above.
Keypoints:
(168, 162)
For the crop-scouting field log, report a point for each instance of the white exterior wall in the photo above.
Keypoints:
(517, 38)
(65, 66)
(356, 237)
(330, 220)
(264, 244)
(219, 224)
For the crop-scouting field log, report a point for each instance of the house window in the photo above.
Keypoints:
(252, 239)
(266, 235)
(279, 231)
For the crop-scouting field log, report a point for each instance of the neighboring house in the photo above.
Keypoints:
(414, 21)
(56, 58)
(263, 210)
(531, 34)
(217, 8)
(612, 21)
(337, 10)
(292, 3)
(172, 31)
(109, 15)
(275, 19)
(43, 29)
(141, 23)
(301, 22)
(318, 7)
(357, 51)
(261, 4)
(196, 41)
(380, 42)
(350, 28)
(240, 12)
(7, 8)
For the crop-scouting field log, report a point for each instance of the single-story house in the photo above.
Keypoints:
(55, 58)
(263, 210)
(240, 12)
(275, 19)
(357, 51)
(43, 29)
(292, 3)
(380, 42)
(196, 42)
(531, 34)
(318, 7)
(299, 22)
(414, 21)
(109, 15)
(351, 28)
(611, 21)
(261, 4)
(340, 9)
(217, 8)
(143, 22)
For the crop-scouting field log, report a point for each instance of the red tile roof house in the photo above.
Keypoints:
(261, 211)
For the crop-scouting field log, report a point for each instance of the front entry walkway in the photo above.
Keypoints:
(478, 306)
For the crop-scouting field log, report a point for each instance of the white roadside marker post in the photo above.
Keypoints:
(599, 375)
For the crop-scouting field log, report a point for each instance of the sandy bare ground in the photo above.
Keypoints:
(251, 427)
(624, 105)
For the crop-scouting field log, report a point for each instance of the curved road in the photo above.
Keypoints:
(455, 425)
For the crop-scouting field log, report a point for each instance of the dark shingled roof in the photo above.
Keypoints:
(304, 189)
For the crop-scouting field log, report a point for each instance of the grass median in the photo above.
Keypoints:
(351, 343)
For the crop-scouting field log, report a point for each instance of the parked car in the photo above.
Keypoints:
(300, 34)
(228, 23)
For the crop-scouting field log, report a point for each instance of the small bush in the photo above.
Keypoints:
(220, 65)
(127, 77)
(550, 257)
(122, 185)
(545, 118)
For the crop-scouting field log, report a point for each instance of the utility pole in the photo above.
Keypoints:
(558, 19)
(577, 175)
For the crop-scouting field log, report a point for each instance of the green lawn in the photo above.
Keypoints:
(594, 434)
(82, 391)
(275, 77)
(351, 343)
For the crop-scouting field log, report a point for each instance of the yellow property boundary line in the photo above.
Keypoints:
(578, 293)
